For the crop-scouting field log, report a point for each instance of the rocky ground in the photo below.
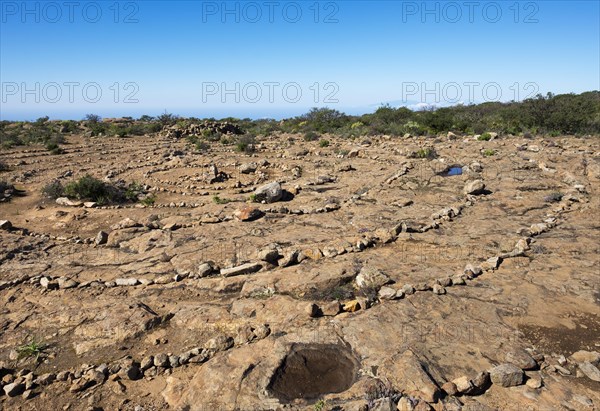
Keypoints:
(356, 276)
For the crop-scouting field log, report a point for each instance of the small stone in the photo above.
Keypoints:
(14, 389)
(450, 388)
(66, 283)
(562, 360)
(507, 375)
(96, 376)
(444, 282)
(590, 370)
(310, 253)
(63, 376)
(248, 168)
(161, 360)
(101, 238)
(5, 225)
(370, 277)
(331, 308)
(220, 343)
(204, 270)
(125, 223)
(474, 187)
(458, 280)
(438, 289)
(562, 370)
(463, 385)
(147, 362)
(481, 380)
(270, 255)
(351, 306)
(28, 394)
(521, 359)
(408, 289)
(248, 213)
(45, 379)
(589, 356)
(248, 268)
(269, 193)
(471, 270)
(261, 331)
(491, 263)
(313, 310)
(81, 384)
(48, 284)
(534, 380)
(174, 361)
(290, 257)
(126, 281)
(387, 293)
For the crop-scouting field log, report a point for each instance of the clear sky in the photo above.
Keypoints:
(279, 58)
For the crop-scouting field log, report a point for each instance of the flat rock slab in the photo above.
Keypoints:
(248, 268)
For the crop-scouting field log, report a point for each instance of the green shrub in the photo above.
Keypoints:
(488, 152)
(427, 152)
(246, 144)
(53, 189)
(148, 200)
(324, 143)
(311, 136)
(33, 349)
(89, 188)
(132, 191)
(54, 148)
(202, 146)
(219, 200)
(485, 137)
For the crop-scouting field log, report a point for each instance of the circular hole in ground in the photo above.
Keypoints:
(313, 370)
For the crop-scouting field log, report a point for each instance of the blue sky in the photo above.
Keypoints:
(223, 58)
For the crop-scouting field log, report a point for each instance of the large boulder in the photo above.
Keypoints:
(507, 375)
(269, 193)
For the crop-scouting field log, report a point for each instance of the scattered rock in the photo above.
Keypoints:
(247, 268)
(220, 343)
(66, 283)
(313, 310)
(161, 360)
(269, 193)
(387, 293)
(126, 282)
(590, 370)
(14, 389)
(534, 380)
(248, 213)
(248, 168)
(101, 238)
(507, 375)
(450, 388)
(370, 277)
(5, 225)
(205, 269)
(521, 359)
(351, 306)
(64, 201)
(474, 187)
(438, 289)
(589, 356)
